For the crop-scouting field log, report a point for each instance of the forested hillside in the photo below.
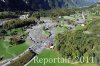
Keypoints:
(21, 5)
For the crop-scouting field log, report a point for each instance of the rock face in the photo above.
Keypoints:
(2, 5)
(21, 5)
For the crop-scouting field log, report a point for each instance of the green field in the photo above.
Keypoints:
(8, 52)
(80, 27)
(52, 54)
(93, 15)
(60, 29)
(44, 32)
(48, 54)
(18, 30)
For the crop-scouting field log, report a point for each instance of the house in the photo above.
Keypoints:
(83, 25)
(80, 23)
(51, 46)
(97, 12)
(17, 39)
(59, 17)
(24, 16)
(1, 35)
(50, 42)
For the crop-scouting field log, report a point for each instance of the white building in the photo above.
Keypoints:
(24, 16)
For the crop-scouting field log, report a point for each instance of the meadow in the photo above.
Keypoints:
(7, 51)
(47, 53)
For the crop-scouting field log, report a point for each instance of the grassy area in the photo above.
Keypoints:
(85, 65)
(93, 15)
(52, 54)
(46, 33)
(8, 52)
(80, 28)
(60, 29)
(25, 58)
(48, 54)
(72, 17)
(18, 30)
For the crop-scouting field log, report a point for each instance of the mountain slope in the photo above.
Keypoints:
(42, 4)
(2, 5)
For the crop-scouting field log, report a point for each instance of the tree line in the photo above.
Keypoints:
(17, 23)
(77, 44)
(4, 15)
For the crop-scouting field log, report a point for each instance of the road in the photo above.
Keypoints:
(2, 22)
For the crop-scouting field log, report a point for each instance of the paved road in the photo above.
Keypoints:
(1, 22)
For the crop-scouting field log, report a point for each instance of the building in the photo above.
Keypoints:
(24, 17)
(80, 23)
(1, 35)
(50, 43)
